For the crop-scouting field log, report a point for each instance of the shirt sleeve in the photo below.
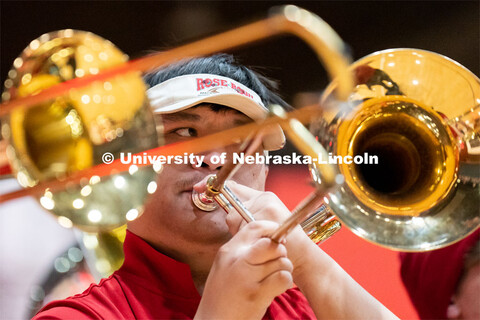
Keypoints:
(53, 311)
(292, 304)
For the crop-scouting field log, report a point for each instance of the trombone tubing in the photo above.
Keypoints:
(307, 26)
(212, 141)
(229, 168)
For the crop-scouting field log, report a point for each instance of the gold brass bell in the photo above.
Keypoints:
(73, 132)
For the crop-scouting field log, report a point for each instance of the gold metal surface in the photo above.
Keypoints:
(103, 251)
(324, 232)
(419, 112)
(417, 154)
(417, 109)
(70, 133)
(287, 19)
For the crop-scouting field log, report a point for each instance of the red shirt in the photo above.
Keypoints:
(151, 285)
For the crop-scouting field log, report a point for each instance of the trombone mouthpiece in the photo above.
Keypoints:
(203, 202)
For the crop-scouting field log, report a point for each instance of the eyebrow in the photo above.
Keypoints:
(186, 116)
(179, 116)
(240, 122)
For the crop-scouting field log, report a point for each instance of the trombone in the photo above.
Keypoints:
(370, 87)
(420, 113)
(25, 91)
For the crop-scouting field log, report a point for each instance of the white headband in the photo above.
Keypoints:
(186, 91)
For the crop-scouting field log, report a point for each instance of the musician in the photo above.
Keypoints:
(181, 262)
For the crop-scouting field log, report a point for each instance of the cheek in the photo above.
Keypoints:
(161, 199)
(151, 213)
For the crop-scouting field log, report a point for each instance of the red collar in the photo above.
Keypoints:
(155, 271)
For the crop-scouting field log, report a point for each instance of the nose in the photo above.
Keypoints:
(212, 161)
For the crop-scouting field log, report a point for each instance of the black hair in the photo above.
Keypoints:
(222, 65)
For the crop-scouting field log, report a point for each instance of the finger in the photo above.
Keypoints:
(254, 231)
(278, 282)
(234, 221)
(244, 193)
(256, 200)
(271, 267)
(264, 250)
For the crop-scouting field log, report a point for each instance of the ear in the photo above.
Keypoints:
(453, 311)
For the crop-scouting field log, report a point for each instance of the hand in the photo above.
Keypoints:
(267, 206)
(331, 292)
(249, 271)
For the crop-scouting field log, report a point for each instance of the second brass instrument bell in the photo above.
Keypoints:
(73, 132)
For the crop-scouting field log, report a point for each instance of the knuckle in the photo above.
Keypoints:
(272, 210)
(284, 278)
(286, 264)
(251, 256)
(254, 225)
(260, 225)
(281, 250)
(263, 198)
(269, 195)
(269, 206)
(263, 243)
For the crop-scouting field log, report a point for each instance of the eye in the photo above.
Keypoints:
(186, 132)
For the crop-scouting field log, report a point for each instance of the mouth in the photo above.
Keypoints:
(186, 192)
(188, 185)
(191, 194)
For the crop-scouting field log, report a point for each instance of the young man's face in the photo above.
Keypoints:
(170, 219)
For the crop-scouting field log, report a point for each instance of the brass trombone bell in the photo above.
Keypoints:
(419, 112)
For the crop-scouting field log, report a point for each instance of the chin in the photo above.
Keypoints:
(211, 226)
